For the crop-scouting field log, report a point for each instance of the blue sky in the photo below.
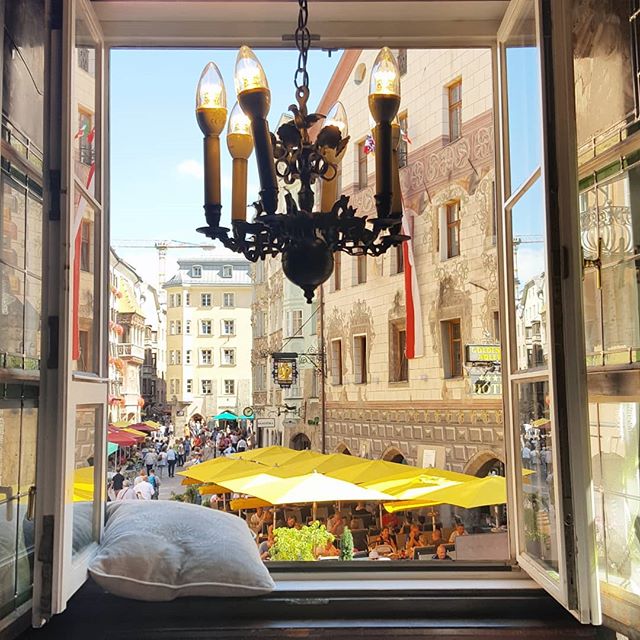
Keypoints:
(156, 145)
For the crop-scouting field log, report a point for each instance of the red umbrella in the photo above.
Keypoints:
(118, 437)
(141, 426)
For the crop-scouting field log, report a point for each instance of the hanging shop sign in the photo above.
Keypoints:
(266, 423)
(486, 384)
(483, 353)
(285, 369)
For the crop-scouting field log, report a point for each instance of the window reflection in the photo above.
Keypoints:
(87, 418)
(538, 480)
(530, 286)
(523, 96)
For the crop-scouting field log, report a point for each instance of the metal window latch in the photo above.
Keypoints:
(31, 503)
(595, 263)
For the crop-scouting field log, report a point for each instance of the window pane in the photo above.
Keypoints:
(32, 318)
(85, 292)
(523, 99)
(8, 540)
(28, 444)
(10, 447)
(85, 95)
(11, 316)
(537, 499)
(530, 287)
(13, 223)
(87, 421)
(34, 236)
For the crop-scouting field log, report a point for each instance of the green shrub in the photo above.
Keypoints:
(298, 544)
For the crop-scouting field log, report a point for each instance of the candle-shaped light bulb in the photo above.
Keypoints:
(254, 98)
(211, 93)
(249, 74)
(385, 74)
(337, 117)
(240, 145)
(211, 114)
(384, 102)
(239, 122)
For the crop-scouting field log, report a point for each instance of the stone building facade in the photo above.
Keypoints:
(209, 336)
(440, 408)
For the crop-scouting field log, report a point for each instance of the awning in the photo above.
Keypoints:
(226, 415)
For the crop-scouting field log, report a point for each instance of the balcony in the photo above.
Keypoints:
(129, 351)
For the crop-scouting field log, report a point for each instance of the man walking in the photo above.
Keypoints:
(171, 461)
(150, 460)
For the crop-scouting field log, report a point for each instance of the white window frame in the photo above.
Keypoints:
(206, 387)
(227, 271)
(295, 323)
(229, 295)
(203, 359)
(223, 327)
(224, 360)
(196, 271)
(206, 300)
(206, 328)
(229, 387)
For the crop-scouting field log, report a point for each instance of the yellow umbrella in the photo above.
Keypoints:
(311, 487)
(475, 493)
(121, 423)
(83, 484)
(423, 478)
(375, 470)
(153, 424)
(266, 453)
(188, 481)
(220, 468)
(248, 503)
(326, 464)
(135, 432)
(211, 489)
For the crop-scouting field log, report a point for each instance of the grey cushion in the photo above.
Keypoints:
(161, 550)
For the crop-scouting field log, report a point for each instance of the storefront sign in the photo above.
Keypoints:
(486, 384)
(266, 423)
(483, 353)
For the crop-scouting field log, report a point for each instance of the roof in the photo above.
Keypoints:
(211, 274)
(216, 253)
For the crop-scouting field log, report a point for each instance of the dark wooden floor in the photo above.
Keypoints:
(527, 615)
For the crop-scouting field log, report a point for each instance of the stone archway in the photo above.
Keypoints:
(300, 442)
(393, 454)
(197, 417)
(342, 448)
(483, 462)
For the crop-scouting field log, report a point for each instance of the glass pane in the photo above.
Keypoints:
(9, 447)
(85, 107)
(621, 515)
(530, 282)
(87, 421)
(28, 446)
(32, 319)
(8, 535)
(591, 303)
(34, 236)
(538, 501)
(25, 549)
(85, 290)
(11, 316)
(523, 99)
(13, 223)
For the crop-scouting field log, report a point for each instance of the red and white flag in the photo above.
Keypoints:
(76, 234)
(415, 330)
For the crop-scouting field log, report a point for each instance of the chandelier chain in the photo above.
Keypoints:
(303, 42)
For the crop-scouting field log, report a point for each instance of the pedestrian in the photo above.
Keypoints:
(171, 461)
(154, 481)
(150, 460)
(180, 453)
(127, 492)
(143, 488)
(162, 462)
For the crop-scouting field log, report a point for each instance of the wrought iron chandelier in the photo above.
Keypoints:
(306, 239)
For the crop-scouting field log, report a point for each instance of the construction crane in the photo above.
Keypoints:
(162, 246)
(517, 241)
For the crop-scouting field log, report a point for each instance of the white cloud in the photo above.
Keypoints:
(529, 262)
(191, 168)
